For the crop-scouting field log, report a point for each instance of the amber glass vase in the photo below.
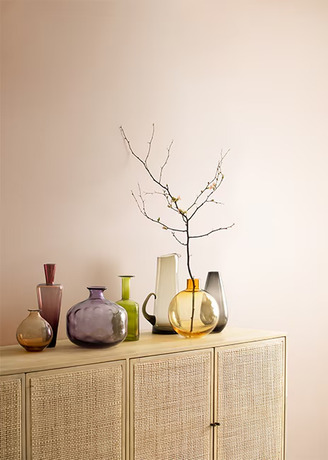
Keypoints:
(34, 333)
(193, 312)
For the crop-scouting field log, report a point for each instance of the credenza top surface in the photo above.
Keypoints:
(15, 360)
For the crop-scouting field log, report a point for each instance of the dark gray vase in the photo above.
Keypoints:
(96, 322)
(214, 287)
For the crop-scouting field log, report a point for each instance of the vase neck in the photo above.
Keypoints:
(34, 312)
(97, 292)
(190, 284)
(126, 287)
(49, 271)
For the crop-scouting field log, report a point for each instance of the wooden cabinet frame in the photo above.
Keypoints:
(16, 363)
(12, 417)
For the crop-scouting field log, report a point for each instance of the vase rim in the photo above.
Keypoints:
(97, 288)
(126, 276)
(190, 284)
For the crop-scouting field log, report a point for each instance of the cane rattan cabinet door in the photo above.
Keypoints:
(170, 406)
(250, 400)
(12, 417)
(77, 413)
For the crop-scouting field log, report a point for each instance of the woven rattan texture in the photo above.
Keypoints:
(78, 415)
(251, 401)
(172, 406)
(10, 419)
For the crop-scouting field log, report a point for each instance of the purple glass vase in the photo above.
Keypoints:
(96, 322)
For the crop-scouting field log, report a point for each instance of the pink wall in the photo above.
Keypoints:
(212, 74)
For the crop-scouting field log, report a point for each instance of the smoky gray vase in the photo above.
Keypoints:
(214, 286)
(96, 322)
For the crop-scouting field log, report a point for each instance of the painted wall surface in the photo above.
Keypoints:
(245, 75)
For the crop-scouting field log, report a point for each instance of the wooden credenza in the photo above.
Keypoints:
(220, 397)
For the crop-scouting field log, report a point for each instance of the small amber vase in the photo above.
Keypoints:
(34, 333)
(193, 312)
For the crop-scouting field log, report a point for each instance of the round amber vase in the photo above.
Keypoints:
(34, 333)
(193, 312)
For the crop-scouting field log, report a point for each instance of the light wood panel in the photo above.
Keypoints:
(250, 401)
(171, 406)
(77, 414)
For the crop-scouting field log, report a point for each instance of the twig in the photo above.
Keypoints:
(150, 143)
(212, 231)
(179, 241)
(166, 161)
(142, 209)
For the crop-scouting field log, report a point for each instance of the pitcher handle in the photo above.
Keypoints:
(150, 318)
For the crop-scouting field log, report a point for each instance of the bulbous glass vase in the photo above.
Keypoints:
(34, 333)
(193, 312)
(96, 322)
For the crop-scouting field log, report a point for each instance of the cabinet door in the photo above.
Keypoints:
(171, 407)
(250, 400)
(77, 413)
(12, 424)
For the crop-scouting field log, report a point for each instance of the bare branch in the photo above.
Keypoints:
(142, 209)
(207, 198)
(172, 201)
(168, 199)
(179, 241)
(165, 187)
(166, 161)
(140, 159)
(212, 231)
(150, 143)
(212, 185)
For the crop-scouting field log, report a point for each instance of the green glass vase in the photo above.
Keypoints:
(132, 309)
